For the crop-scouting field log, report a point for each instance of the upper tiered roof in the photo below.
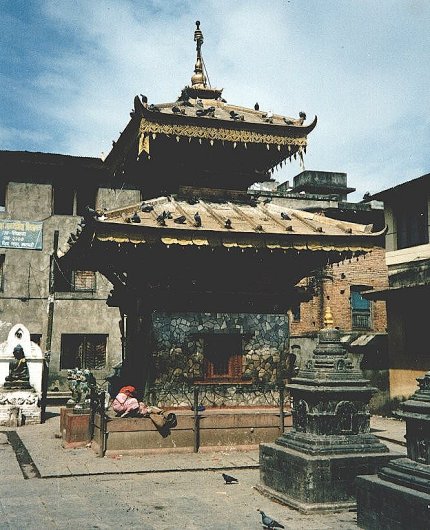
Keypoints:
(218, 144)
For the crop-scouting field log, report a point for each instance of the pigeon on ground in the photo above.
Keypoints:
(147, 208)
(268, 522)
(285, 216)
(257, 106)
(135, 218)
(227, 224)
(229, 479)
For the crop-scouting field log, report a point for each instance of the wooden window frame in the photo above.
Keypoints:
(80, 346)
(230, 360)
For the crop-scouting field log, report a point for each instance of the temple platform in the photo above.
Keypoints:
(218, 429)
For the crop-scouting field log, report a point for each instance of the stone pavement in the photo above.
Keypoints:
(79, 490)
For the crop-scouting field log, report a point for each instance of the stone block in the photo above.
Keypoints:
(384, 505)
(76, 430)
(314, 483)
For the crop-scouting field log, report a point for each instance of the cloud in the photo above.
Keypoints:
(362, 67)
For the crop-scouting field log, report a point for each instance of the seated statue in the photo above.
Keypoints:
(18, 369)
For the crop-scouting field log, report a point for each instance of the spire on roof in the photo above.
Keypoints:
(200, 83)
(198, 80)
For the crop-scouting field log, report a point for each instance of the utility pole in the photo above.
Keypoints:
(48, 342)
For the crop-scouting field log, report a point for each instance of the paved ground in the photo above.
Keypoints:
(78, 490)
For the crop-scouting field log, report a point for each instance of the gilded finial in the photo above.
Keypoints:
(199, 77)
(328, 318)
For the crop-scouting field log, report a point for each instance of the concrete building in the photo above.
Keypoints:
(43, 197)
(406, 208)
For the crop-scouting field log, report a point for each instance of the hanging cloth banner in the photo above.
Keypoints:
(144, 144)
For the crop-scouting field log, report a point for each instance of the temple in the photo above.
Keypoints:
(204, 272)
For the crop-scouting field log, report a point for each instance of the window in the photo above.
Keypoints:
(2, 259)
(3, 188)
(412, 223)
(74, 281)
(222, 357)
(84, 281)
(69, 200)
(295, 311)
(360, 308)
(63, 200)
(83, 351)
(36, 338)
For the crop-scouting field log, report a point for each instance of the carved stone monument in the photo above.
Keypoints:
(313, 467)
(21, 369)
(399, 496)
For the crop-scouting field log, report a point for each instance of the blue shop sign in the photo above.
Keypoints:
(21, 234)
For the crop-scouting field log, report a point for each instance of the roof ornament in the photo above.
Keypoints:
(200, 87)
(199, 78)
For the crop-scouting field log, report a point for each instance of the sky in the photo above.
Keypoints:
(70, 70)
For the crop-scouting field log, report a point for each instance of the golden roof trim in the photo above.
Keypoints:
(219, 133)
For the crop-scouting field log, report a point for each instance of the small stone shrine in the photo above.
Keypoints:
(21, 370)
(399, 496)
(313, 467)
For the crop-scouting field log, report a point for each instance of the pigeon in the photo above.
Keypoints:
(268, 522)
(227, 224)
(257, 106)
(160, 220)
(197, 219)
(135, 218)
(154, 108)
(177, 110)
(167, 214)
(235, 116)
(229, 479)
(180, 220)
(146, 208)
(285, 216)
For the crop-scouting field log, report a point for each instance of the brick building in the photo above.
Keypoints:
(407, 214)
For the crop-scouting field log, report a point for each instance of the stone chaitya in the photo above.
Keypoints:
(21, 372)
(313, 467)
(399, 496)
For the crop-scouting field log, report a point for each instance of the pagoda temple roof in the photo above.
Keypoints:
(202, 113)
(168, 221)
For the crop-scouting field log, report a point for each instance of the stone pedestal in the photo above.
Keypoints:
(313, 467)
(76, 430)
(399, 496)
(19, 407)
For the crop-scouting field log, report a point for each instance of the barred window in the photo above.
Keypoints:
(83, 351)
(360, 308)
(222, 357)
(67, 280)
(84, 281)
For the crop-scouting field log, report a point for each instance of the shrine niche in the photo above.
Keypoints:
(21, 379)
